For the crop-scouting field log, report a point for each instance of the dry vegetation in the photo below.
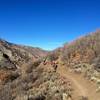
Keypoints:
(36, 84)
(24, 76)
(83, 56)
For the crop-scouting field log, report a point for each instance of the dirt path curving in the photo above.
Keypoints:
(81, 86)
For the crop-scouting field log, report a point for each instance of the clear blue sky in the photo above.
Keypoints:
(47, 23)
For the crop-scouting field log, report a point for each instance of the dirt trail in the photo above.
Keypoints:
(81, 86)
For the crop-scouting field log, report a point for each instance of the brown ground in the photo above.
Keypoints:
(81, 86)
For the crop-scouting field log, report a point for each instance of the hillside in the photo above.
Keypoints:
(79, 61)
(81, 58)
(83, 54)
(71, 72)
(17, 54)
(23, 75)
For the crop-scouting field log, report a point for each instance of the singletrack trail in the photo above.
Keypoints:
(81, 86)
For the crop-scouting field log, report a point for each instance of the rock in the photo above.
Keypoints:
(98, 89)
(78, 70)
(66, 96)
(93, 79)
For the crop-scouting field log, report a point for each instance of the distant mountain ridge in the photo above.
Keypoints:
(19, 54)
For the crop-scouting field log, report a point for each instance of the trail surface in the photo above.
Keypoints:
(81, 86)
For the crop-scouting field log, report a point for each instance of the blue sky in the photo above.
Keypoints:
(47, 23)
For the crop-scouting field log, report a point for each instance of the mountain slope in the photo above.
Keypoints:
(17, 54)
(23, 76)
(71, 72)
(79, 61)
(82, 58)
(85, 49)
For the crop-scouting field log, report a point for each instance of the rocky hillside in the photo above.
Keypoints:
(71, 72)
(84, 51)
(23, 76)
(83, 56)
(12, 55)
